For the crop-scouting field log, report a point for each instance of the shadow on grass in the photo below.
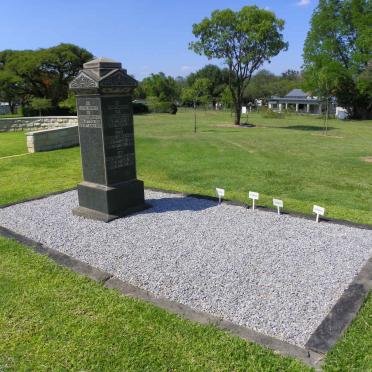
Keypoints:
(179, 204)
(313, 128)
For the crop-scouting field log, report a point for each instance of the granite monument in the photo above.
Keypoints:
(110, 188)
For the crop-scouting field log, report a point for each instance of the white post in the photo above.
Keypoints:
(270, 105)
(280, 107)
(297, 107)
(308, 108)
(286, 106)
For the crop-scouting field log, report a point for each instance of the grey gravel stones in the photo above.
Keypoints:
(278, 275)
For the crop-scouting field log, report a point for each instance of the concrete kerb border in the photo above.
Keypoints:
(320, 342)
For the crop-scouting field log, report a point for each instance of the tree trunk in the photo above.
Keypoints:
(194, 117)
(237, 114)
(11, 107)
(327, 115)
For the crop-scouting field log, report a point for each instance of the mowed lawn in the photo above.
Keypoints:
(52, 319)
(284, 158)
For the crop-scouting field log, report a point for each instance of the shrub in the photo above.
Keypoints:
(270, 114)
(140, 108)
(163, 107)
(40, 104)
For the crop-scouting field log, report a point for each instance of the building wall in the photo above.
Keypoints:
(36, 123)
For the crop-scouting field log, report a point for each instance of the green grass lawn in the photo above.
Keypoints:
(284, 158)
(52, 319)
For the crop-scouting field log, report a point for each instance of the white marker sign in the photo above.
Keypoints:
(244, 109)
(278, 203)
(254, 196)
(319, 212)
(220, 193)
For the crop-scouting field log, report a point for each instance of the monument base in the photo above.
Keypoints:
(106, 203)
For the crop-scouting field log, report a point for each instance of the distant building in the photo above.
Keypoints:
(299, 101)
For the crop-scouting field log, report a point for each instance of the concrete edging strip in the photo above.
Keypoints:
(343, 312)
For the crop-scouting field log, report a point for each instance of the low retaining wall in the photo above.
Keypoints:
(36, 123)
(52, 139)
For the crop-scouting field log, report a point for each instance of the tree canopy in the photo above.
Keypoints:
(163, 87)
(339, 44)
(43, 73)
(244, 40)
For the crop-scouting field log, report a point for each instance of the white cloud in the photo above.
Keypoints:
(303, 2)
(185, 68)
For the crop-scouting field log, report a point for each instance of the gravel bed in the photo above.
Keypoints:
(278, 275)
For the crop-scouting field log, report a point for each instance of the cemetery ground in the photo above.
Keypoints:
(51, 317)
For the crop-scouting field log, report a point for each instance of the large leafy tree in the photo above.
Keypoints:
(217, 77)
(244, 40)
(340, 40)
(163, 88)
(11, 89)
(43, 73)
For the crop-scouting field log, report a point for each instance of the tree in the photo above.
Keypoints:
(244, 40)
(364, 84)
(226, 98)
(40, 104)
(197, 93)
(265, 84)
(163, 87)
(217, 77)
(340, 35)
(10, 89)
(43, 73)
(69, 103)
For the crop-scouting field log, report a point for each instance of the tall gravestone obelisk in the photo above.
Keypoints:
(110, 188)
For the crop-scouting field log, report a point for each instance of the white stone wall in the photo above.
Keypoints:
(52, 139)
(36, 123)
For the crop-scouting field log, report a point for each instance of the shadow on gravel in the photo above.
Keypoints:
(179, 204)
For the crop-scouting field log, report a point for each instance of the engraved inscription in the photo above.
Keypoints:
(120, 160)
(89, 113)
(119, 115)
(119, 140)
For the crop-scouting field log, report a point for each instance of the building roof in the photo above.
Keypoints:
(295, 96)
(297, 93)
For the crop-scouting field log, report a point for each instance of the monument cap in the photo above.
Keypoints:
(102, 66)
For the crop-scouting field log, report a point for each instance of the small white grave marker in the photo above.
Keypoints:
(319, 211)
(278, 203)
(254, 196)
(220, 194)
(244, 109)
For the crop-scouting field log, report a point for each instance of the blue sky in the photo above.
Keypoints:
(146, 36)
